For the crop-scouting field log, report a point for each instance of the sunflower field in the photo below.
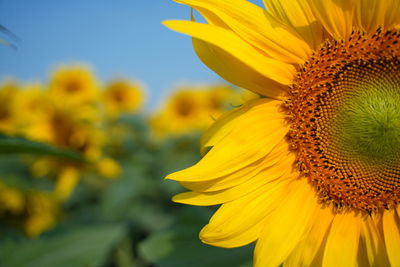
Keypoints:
(82, 167)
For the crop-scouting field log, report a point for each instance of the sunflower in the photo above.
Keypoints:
(36, 105)
(310, 172)
(184, 112)
(191, 109)
(122, 96)
(75, 84)
(35, 211)
(9, 94)
(42, 212)
(11, 200)
(66, 126)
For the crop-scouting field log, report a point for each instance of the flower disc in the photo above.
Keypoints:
(344, 109)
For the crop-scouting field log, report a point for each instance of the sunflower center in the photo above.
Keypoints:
(344, 112)
(371, 121)
(72, 86)
(185, 107)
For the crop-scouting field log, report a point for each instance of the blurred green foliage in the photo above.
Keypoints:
(122, 222)
(82, 168)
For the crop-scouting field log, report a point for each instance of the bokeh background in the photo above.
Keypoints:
(98, 103)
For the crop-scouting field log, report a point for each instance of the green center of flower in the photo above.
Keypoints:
(371, 121)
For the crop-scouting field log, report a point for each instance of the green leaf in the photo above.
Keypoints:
(181, 247)
(85, 246)
(10, 144)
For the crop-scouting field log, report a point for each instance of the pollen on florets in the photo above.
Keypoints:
(344, 115)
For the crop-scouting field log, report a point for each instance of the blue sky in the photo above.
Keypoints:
(118, 38)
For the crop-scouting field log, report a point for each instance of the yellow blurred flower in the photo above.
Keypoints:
(192, 108)
(9, 91)
(76, 128)
(75, 84)
(66, 114)
(184, 112)
(11, 200)
(32, 108)
(42, 210)
(86, 139)
(66, 174)
(108, 168)
(186, 106)
(67, 179)
(122, 96)
(36, 211)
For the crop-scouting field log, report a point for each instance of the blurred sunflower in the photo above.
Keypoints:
(74, 84)
(122, 96)
(311, 172)
(9, 91)
(72, 128)
(184, 112)
(193, 108)
(11, 200)
(36, 106)
(34, 211)
(41, 212)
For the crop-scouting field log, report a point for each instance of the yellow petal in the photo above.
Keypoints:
(224, 125)
(239, 216)
(255, 26)
(229, 180)
(335, 15)
(305, 252)
(255, 134)
(273, 165)
(392, 16)
(272, 174)
(392, 236)
(342, 244)
(286, 225)
(370, 14)
(236, 239)
(231, 43)
(66, 182)
(235, 71)
(108, 168)
(372, 246)
(298, 15)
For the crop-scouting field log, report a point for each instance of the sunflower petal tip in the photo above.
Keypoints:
(209, 237)
(177, 176)
(170, 176)
(183, 198)
(175, 199)
(166, 22)
(172, 24)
